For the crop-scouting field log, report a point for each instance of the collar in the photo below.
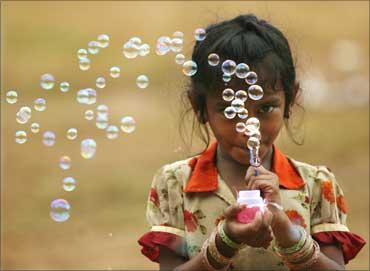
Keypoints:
(204, 176)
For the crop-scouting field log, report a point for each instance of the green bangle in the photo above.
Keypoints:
(226, 238)
(296, 247)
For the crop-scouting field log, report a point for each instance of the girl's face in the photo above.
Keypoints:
(270, 112)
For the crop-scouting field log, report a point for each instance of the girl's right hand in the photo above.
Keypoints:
(257, 233)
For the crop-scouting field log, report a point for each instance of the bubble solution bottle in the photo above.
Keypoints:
(254, 202)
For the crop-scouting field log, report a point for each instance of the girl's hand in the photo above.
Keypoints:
(258, 233)
(266, 181)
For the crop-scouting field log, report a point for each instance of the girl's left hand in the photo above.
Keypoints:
(266, 181)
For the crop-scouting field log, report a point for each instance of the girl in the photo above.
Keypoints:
(191, 207)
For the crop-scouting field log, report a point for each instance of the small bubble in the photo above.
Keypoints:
(103, 40)
(82, 53)
(65, 162)
(163, 45)
(213, 59)
(112, 132)
(60, 210)
(64, 87)
(238, 105)
(251, 78)
(253, 143)
(40, 104)
(20, 137)
(100, 82)
(48, 138)
(200, 34)
(128, 124)
(130, 50)
(102, 110)
(243, 114)
(101, 122)
(115, 72)
(255, 92)
(230, 112)
(189, 68)
(240, 127)
(242, 95)
(176, 45)
(47, 81)
(144, 49)
(242, 70)
(72, 133)
(88, 148)
(180, 59)
(86, 96)
(252, 125)
(23, 115)
(93, 47)
(228, 95)
(69, 184)
(84, 64)
(89, 115)
(228, 67)
(142, 81)
(226, 77)
(11, 96)
(35, 127)
(178, 34)
(255, 133)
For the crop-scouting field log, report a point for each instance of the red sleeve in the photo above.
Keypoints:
(351, 243)
(150, 242)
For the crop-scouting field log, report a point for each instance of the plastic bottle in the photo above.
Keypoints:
(254, 202)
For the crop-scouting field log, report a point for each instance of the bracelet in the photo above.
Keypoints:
(303, 254)
(278, 206)
(205, 261)
(294, 248)
(226, 238)
(215, 254)
(307, 263)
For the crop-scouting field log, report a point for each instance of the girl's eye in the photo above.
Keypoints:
(266, 108)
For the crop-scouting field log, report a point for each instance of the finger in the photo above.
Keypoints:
(267, 217)
(257, 221)
(250, 172)
(231, 211)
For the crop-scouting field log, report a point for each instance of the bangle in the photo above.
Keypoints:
(276, 205)
(294, 248)
(308, 262)
(205, 261)
(215, 254)
(226, 238)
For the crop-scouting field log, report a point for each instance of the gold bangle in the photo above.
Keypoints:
(205, 261)
(215, 254)
(226, 238)
(294, 248)
(308, 262)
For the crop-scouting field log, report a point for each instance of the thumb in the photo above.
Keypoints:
(231, 211)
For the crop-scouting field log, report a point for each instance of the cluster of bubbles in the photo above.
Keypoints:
(93, 48)
(134, 47)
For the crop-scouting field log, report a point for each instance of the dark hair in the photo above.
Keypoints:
(247, 39)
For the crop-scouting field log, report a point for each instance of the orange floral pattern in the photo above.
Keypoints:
(342, 205)
(296, 218)
(327, 191)
(191, 221)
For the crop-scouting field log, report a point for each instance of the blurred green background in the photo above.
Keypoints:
(330, 41)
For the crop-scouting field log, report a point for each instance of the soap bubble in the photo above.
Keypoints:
(48, 138)
(163, 45)
(103, 40)
(65, 162)
(100, 82)
(115, 72)
(112, 132)
(35, 127)
(11, 97)
(101, 122)
(93, 47)
(40, 104)
(253, 143)
(243, 114)
(135, 41)
(254, 122)
(255, 92)
(240, 127)
(69, 184)
(72, 133)
(128, 124)
(230, 112)
(20, 137)
(176, 45)
(89, 114)
(242, 70)
(228, 67)
(226, 78)
(189, 68)
(180, 59)
(102, 110)
(130, 49)
(86, 96)
(82, 53)
(213, 59)
(88, 148)
(255, 133)
(23, 115)
(64, 87)
(144, 50)
(238, 105)
(242, 95)
(200, 34)
(47, 81)
(251, 78)
(178, 34)
(142, 81)
(60, 210)
(228, 95)
(84, 64)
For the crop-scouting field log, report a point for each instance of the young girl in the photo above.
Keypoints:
(192, 207)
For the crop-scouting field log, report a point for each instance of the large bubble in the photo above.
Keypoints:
(47, 81)
(60, 210)
(11, 96)
(88, 148)
(20, 137)
(189, 68)
(128, 124)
